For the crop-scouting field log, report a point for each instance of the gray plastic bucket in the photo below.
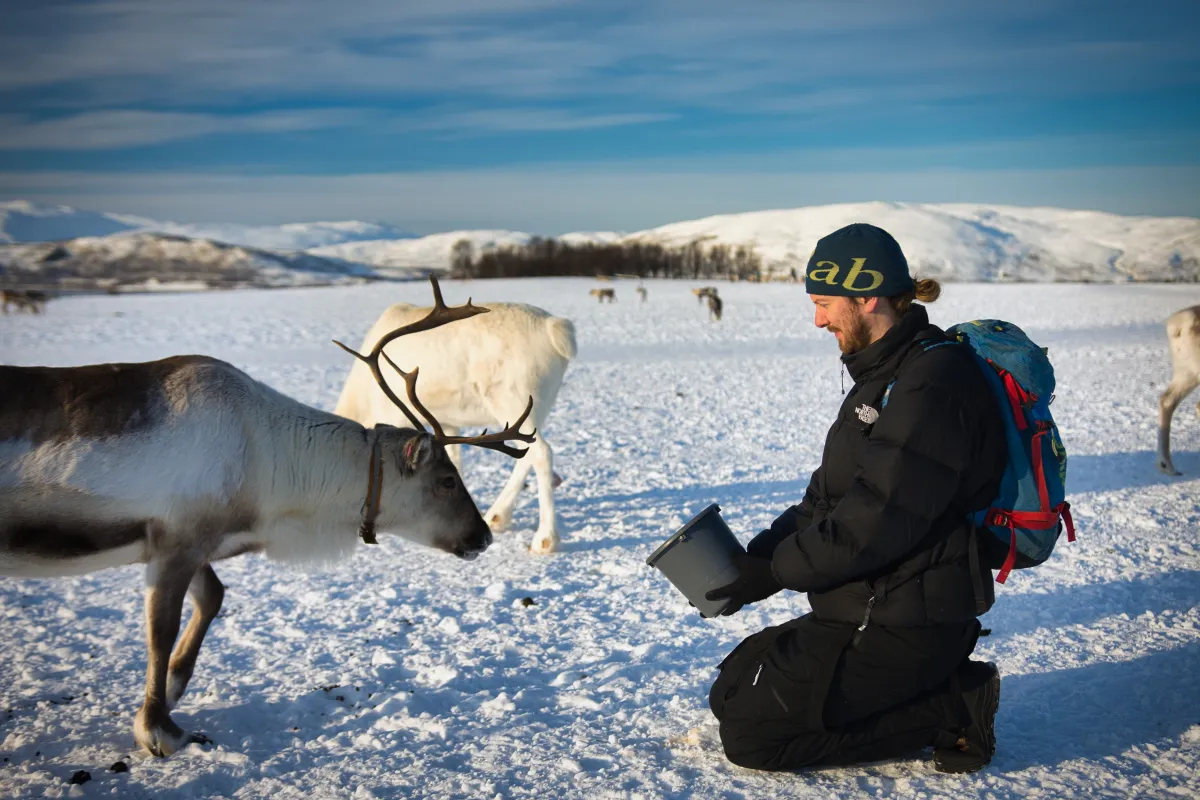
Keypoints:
(699, 557)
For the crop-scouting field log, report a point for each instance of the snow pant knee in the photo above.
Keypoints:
(806, 698)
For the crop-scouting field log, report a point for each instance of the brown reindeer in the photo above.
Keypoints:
(604, 294)
(714, 305)
(186, 461)
(30, 300)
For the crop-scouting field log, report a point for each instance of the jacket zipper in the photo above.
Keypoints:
(874, 598)
(865, 620)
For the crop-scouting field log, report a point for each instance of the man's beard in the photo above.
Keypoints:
(855, 336)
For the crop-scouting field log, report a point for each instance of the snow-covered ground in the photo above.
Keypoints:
(407, 673)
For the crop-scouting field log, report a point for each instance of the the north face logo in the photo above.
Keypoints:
(867, 414)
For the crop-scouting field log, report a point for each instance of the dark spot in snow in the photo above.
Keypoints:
(527, 602)
(119, 766)
(341, 698)
(80, 776)
(296, 728)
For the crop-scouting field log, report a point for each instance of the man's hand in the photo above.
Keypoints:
(754, 582)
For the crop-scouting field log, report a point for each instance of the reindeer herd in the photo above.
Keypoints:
(180, 463)
(30, 300)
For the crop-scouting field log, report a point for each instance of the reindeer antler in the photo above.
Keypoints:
(440, 315)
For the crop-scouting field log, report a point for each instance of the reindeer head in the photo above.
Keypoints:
(438, 510)
(421, 496)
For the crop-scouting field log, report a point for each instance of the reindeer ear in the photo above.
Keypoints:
(417, 451)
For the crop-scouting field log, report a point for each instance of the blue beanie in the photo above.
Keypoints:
(859, 260)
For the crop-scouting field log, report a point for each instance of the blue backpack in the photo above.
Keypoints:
(1022, 523)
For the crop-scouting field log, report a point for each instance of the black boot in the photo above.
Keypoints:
(980, 686)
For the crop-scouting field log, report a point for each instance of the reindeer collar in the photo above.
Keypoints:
(370, 506)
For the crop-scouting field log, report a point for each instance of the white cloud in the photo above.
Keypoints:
(718, 54)
(105, 130)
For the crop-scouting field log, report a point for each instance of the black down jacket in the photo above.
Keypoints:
(885, 514)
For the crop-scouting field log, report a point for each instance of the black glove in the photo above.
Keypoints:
(755, 581)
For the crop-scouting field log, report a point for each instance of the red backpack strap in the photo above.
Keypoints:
(1064, 508)
(1012, 555)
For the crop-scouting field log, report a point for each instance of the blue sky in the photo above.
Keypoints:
(552, 116)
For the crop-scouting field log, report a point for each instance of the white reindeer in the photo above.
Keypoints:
(183, 462)
(480, 372)
(1183, 339)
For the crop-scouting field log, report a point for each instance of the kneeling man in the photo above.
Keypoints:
(881, 542)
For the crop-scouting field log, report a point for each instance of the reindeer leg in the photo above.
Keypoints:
(1167, 403)
(545, 539)
(207, 592)
(167, 581)
(499, 516)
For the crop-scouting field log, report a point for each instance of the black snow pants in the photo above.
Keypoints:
(807, 692)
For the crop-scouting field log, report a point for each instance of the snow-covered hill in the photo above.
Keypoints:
(968, 242)
(291, 236)
(23, 221)
(146, 261)
(432, 252)
(960, 242)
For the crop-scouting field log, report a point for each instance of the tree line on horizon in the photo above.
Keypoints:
(549, 257)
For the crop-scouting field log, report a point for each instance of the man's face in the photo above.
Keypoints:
(844, 318)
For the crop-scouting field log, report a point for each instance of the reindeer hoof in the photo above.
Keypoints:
(161, 736)
(543, 545)
(1168, 469)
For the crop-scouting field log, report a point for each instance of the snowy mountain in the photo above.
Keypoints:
(962, 242)
(132, 261)
(292, 236)
(428, 251)
(22, 221)
(968, 242)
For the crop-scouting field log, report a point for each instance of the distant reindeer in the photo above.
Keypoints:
(703, 292)
(641, 290)
(714, 305)
(604, 294)
(30, 300)
(1183, 341)
(183, 462)
(479, 372)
